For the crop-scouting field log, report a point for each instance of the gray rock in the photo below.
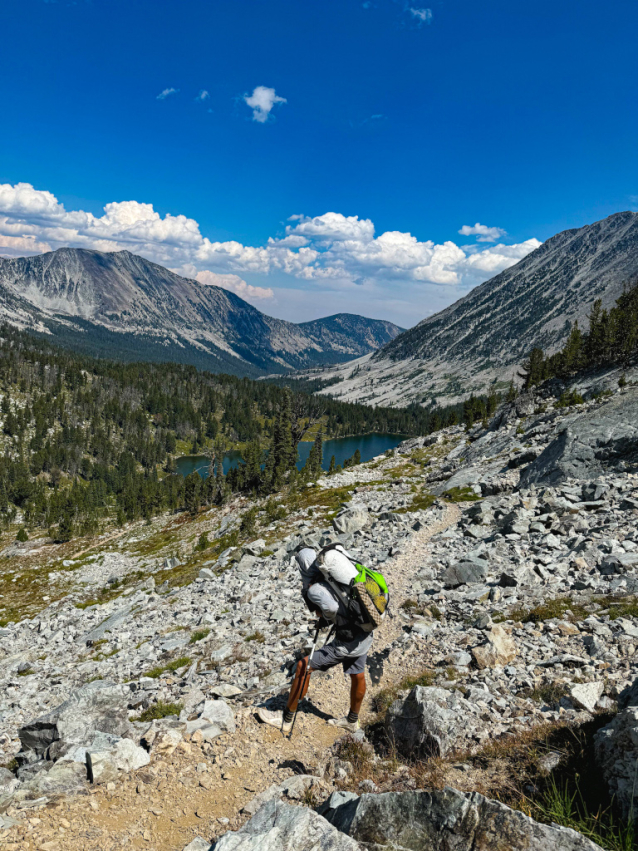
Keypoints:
(105, 765)
(164, 735)
(255, 548)
(464, 573)
(99, 705)
(206, 573)
(224, 690)
(284, 827)
(221, 653)
(351, 519)
(293, 788)
(198, 844)
(616, 750)
(589, 443)
(63, 778)
(110, 623)
(429, 722)
(8, 781)
(587, 695)
(446, 820)
(215, 718)
(498, 649)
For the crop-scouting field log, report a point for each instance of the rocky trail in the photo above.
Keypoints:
(512, 558)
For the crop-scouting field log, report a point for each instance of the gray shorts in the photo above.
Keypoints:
(329, 656)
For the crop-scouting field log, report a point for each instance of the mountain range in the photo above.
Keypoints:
(480, 341)
(121, 305)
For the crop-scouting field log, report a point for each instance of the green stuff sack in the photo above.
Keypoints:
(371, 590)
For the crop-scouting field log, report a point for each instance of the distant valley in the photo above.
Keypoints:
(479, 342)
(121, 305)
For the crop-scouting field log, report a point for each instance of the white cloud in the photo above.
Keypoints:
(482, 232)
(262, 101)
(235, 284)
(21, 246)
(163, 95)
(203, 95)
(332, 250)
(332, 227)
(422, 16)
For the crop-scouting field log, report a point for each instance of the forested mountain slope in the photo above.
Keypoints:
(479, 341)
(85, 441)
(124, 305)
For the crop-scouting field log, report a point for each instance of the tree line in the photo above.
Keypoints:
(85, 440)
(611, 340)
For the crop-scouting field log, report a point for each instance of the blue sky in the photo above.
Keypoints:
(384, 127)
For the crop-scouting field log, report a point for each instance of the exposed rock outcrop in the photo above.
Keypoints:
(445, 820)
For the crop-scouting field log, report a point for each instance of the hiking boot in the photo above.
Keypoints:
(275, 719)
(350, 726)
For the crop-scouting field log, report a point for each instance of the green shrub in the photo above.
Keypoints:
(569, 398)
(170, 666)
(460, 495)
(159, 710)
(22, 535)
(259, 637)
(198, 635)
(202, 543)
(566, 806)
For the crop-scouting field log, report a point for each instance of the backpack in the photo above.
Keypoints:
(364, 592)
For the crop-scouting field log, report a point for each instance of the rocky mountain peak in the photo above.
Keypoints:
(141, 310)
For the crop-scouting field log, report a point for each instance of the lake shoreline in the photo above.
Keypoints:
(370, 445)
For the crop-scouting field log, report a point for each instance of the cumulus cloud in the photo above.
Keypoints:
(421, 16)
(235, 284)
(21, 246)
(262, 101)
(332, 248)
(482, 232)
(203, 95)
(166, 93)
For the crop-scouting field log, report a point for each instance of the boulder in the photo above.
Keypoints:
(616, 750)
(464, 573)
(587, 695)
(447, 819)
(284, 827)
(99, 705)
(164, 735)
(215, 718)
(351, 519)
(117, 618)
(589, 443)
(8, 781)
(105, 765)
(499, 649)
(198, 844)
(430, 722)
(62, 778)
(293, 788)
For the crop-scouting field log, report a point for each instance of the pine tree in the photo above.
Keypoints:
(65, 527)
(318, 455)
(192, 492)
(534, 367)
(333, 465)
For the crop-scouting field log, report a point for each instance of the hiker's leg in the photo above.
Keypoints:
(298, 684)
(357, 692)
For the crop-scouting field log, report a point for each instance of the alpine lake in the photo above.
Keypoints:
(369, 445)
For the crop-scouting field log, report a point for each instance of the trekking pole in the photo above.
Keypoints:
(306, 675)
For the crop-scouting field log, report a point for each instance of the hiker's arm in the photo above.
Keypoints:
(319, 597)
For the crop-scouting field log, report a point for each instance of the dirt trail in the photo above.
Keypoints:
(163, 806)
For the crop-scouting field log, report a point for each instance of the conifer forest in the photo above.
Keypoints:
(87, 442)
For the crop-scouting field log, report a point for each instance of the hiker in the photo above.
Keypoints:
(349, 648)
